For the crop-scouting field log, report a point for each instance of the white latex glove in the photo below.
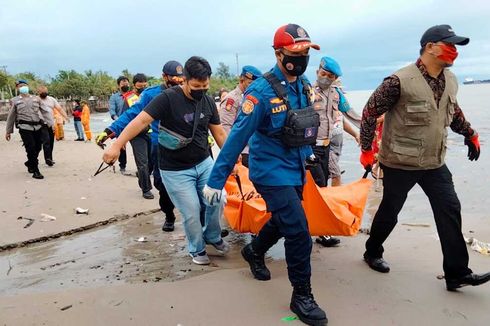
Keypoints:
(212, 196)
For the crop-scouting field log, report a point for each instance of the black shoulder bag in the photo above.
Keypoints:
(301, 127)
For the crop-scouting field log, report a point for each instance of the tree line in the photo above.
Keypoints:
(70, 84)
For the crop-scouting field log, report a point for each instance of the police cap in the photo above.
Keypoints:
(329, 64)
(251, 72)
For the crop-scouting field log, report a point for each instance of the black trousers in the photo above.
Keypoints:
(123, 159)
(319, 172)
(142, 156)
(439, 188)
(166, 205)
(245, 159)
(289, 221)
(48, 145)
(33, 142)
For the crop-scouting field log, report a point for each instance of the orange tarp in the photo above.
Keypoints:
(329, 210)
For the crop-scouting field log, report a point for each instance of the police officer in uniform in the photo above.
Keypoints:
(420, 103)
(228, 109)
(331, 105)
(26, 114)
(278, 152)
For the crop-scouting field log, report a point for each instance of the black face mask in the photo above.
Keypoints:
(295, 66)
(140, 90)
(171, 84)
(124, 89)
(198, 94)
(43, 95)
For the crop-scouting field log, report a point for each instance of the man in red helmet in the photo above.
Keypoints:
(277, 116)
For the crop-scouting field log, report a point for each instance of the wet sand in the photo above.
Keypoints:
(105, 276)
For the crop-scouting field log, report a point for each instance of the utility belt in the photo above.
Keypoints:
(31, 123)
(322, 142)
(301, 126)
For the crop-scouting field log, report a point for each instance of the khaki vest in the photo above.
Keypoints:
(327, 106)
(414, 131)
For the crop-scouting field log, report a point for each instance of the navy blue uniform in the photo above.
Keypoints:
(276, 170)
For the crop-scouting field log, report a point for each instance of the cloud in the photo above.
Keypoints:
(369, 38)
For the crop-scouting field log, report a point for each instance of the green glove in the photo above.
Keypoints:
(103, 136)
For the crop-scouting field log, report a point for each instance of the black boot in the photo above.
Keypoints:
(29, 169)
(304, 306)
(168, 226)
(257, 263)
(37, 175)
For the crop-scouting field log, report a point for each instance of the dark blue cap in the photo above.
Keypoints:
(442, 33)
(21, 81)
(173, 68)
(251, 72)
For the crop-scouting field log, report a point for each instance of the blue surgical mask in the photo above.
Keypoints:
(24, 90)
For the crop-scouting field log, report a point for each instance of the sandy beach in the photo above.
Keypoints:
(104, 275)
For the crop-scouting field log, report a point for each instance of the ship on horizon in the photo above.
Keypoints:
(471, 81)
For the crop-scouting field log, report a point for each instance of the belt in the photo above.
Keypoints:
(322, 142)
(32, 123)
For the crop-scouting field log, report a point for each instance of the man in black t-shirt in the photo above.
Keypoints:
(185, 168)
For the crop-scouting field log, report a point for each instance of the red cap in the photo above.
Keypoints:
(293, 38)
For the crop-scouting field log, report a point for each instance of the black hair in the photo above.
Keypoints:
(121, 78)
(141, 78)
(197, 68)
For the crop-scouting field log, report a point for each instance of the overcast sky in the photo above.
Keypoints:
(370, 39)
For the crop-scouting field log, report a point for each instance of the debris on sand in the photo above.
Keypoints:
(80, 210)
(422, 225)
(31, 221)
(47, 218)
(66, 307)
(479, 246)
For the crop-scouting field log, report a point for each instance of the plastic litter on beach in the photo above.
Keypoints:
(83, 198)
(47, 218)
(142, 239)
(479, 246)
(80, 210)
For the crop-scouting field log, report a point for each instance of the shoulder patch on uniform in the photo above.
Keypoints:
(229, 104)
(248, 106)
(252, 99)
(275, 100)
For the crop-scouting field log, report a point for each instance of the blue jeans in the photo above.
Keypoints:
(185, 190)
(79, 129)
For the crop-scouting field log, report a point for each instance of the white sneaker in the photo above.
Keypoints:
(222, 247)
(201, 258)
